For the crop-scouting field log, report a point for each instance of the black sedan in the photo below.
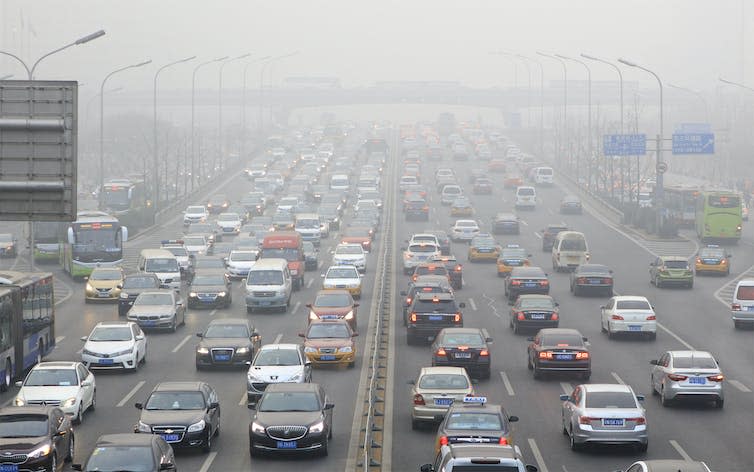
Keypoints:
(291, 417)
(570, 204)
(38, 436)
(534, 311)
(592, 278)
(126, 451)
(559, 350)
(463, 347)
(227, 342)
(210, 290)
(526, 280)
(505, 223)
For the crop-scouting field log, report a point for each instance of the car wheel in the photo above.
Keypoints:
(93, 405)
(323, 451)
(658, 284)
(691, 285)
(528, 363)
(537, 373)
(8, 378)
(663, 399)
(174, 326)
(602, 325)
(351, 364)
(719, 403)
(574, 445)
(410, 340)
(610, 334)
(329, 433)
(208, 442)
(652, 386)
(516, 328)
(586, 376)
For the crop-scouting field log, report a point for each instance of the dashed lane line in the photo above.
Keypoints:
(296, 307)
(59, 339)
(208, 462)
(309, 283)
(536, 233)
(507, 384)
(472, 303)
(131, 393)
(243, 400)
(212, 313)
(278, 338)
(677, 338)
(680, 450)
(740, 386)
(181, 344)
(617, 378)
(537, 455)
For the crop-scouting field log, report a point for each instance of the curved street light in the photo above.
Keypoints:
(565, 95)
(220, 108)
(193, 114)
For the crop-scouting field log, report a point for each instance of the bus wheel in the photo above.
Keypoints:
(39, 352)
(7, 378)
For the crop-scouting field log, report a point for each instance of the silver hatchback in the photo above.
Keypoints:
(604, 414)
(687, 375)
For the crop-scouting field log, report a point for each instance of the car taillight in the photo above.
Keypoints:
(414, 277)
(440, 352)
(443, 440)
(607, 281)
(616, 317)
(545, 355)
(408, 300)
(585, 420)
(520, 315)
(426, 208)
(716, 378)
(484, 353)
(735, 307)
(418, 399)
(544, 283)
(457, 318)
(413, 317)
(554, 316)
(458, 268)
(651, 318)
(503, 441)
(677, 377)
(639, 420)
(582, 355)
(515, 282)
(581, 280)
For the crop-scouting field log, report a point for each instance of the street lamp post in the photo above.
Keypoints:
(659, 186)
(102, 121)
(261, 85)
(590, 156)
(193, 113)
(155, 160)
(541, 101)
(242, 150)
(565, 96)
(620, 81)
(220, 106)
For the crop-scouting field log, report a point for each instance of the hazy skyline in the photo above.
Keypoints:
(687, 42)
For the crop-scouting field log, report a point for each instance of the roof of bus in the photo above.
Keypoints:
(12, 277)
(94, 216)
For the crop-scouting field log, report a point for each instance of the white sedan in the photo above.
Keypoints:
(68, 385)
(343, 277)
(229, 223)
(464, 230)
(240, 262)
(350, 254)
(630, 315)
(114, 345)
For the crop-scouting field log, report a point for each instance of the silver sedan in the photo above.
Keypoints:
(687, 375)
(604, 414)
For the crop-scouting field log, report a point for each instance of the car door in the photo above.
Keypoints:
(86, 382)
(213, 413)
(325, 400)
(570, 407)
(659, 371)
(140, 341)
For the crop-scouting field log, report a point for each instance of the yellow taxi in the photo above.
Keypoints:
(483, 248)
(461, 206)
(104, 284)
(712, 259)
(511, 256)
(330, 342)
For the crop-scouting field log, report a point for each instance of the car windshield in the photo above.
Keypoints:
(289, 401)
(474, 421)
(117, 458)
(514, 254)
(227, 331)
(309, 223)
(178, 251)
(208, 280)
(195, 210)
(422, 248)
(462, 339)
(349, 250)
(333, 300)
(573, 245)
(176, 401)
(51, 378)
(526, 303)
(110, 333)
(23, 426)
(676, 264)
(633, 305)
(444, 381)
(140, 282)
(525, 191)
(279, 357)
(562, 340)
(466, 224)
(289, 254)
(154, 299)
(265, 277)
(342, 273)
(243, 256)
(100, 274)
(161, 265)
(694, 362)
(610, 400)
(327, 330)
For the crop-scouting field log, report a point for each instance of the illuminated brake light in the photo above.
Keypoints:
(585, 420)
(582, 355)
(418, 399)
(544, 282)
(677, 377)
(581, 280)
(458, 268)
(413, 317)
(554, 316)
(716, 378)
(545, 355)
(639, 420)
(735, 307)
(484, 353)
(651, 318)
(457, 318)
(698, 260)
(616, 317)
(441, 352)
(503, 441)
(520, 315)
(515, 282)
(443, 440)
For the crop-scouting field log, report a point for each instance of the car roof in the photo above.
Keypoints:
(443, 370)
(691, 354)
(534, 296)
(527, 271)
(674, 465)
(126, 439)
(462, 331)
(674, 258)
(292, 387)
(56, 365)
(184, 385)
(501, 216)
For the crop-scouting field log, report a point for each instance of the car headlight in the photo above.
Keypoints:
(89, 353)
(123, 295)
(221, 294)
(257, 428)
(143, 427)
(317, 427)
(294, 271)
(192, 295)
(296, 378)
(242, 350)
(310, 349)
(349, 315)
(40, 452)
(281, 293)
(89, 287)
(199, 426)
(313, 316)
(202, 350)
(20, 401)
(346, 349)
(69, 402)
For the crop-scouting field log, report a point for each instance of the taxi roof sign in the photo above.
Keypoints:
(475, 399)
(512, 245)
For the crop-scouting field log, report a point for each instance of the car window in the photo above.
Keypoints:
(227, 331)
(462, 339)
(535, 303)
(342, 273)
(154, 299)
(633, 305)
(438, 306)
(83, 373)
(563, 339)
(610, 400)
(449, 381)
(676, 264)
(333, 300)
(745, 292)
(694, 362)
(23, 426)
(573, 245)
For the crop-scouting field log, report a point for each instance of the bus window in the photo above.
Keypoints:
(723, 201)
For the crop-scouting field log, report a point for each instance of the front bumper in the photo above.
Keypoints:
(336, 358)
(266, 302)
(208, 301)
(110, 295)
(125, 361)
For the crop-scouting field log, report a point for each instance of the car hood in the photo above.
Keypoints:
(104, 283)
(225, 342)
(48, 392)
(107, 347)
(244, 264)
(272, 418)
(151, 310)
(171, 417)
(328, 342)
(275, 373)
(20, 444)
(209, 288)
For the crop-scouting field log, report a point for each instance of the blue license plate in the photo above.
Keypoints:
(222, 357)
(327, 357)
(485, 250)
(443, 401)
(537, 316)
(697, 380)
(287, 444)
(104, 294)
(264, 303)
(750, 308)
(612, 422)
(564, 357)
(595, 281)
(530, 285)
(8, 467)
(435, 317)
(106, 361)
(170, 437)
(149, 322)
(634, 328)
(329, 317)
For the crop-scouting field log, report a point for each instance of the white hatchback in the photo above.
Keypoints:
(114, 345)
(630, 315)
(195, 214)
(68, 385)
(464, 230)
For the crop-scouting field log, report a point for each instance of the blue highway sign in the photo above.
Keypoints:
(624, 144)
(694, 143)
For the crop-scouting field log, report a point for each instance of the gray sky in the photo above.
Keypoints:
(688, 42)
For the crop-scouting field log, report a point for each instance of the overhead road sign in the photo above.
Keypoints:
(624, 144)
(694, 143)
(38, 150)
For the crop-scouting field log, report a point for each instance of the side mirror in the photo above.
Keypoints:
(557, 304)
(214, 405)
(329, 406)
(462, 305)
(488, 340)
(584, 338)
(530, 338)
(86, 383)
(356, 305)
(120, 287)
(301, 335)
(564, 397)
(411, 382)
(308, 305)
(651, 264)
(354, 334)
(83, 338)
(640, 397)
(423, 468)
(19, 383)
(654, 362)
(86, 278)
(138, 406)
(308, 363)
(602, 307)
(199, 335)
(140, 337)
(513, 419)
(322, 275)
(403, 248)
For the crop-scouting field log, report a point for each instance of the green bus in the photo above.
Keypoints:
(95, 239)
(127, 200)
(48, 235)
(718, 216)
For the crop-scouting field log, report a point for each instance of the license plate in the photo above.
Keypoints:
(327, 357)
(595, 282)
(463, 355)
(530, 285)
(264, 303)
(537, 316)
(149, 322)
(443, 401)
(222, 357)
(104, 294)
(170, 437)
(435, 317)
(634, 328)
(286, 444)
(8, 467)
(564, 357)
(697, 380)
(613, 422)
(750, 308)
(485, 250)
(329, 317)
(106, 361)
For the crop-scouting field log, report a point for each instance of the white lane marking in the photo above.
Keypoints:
(677, 338)
(208, 462)
(507, 383)
(617, 378)
(740, 386)
(731, 283)
(243, 400)
(472, 303)
(536, 233)
(278, 338)
(523, 222)
(537, 455)
(309, 283)
(680, 450)
(296, 307)
(59, 339)
(212, 313)
(180, 344)
(567, 388)
(131, 393)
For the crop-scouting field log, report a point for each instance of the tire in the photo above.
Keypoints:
(410, 339)
(719, 403)
(664, 400)
(690, 285)
(528, 363)
(207, 443)
(575, 290)
(8, 378)
(572, 442)
(537, 373)
(516, 328)
(71, 449)
(93, 406)
(658, 284)
(323, 452)
(602, 327)
(586, 376)
(652, 387)
(610, 334)
(174, 326)
(352, 364)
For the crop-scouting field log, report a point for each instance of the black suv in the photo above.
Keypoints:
(431, 312)
(210, 289)
(550, 233)
(526, 280)
(185, 414)
(132, 286)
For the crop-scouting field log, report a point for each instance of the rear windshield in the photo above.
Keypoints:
(439, 306)
(140, 282)
(745, 292)
(545, 171)
(633, 305)
(474, 421)
(573, 245)
(161, 265)
(422, 248)
(525, 191)
(694, 362)
(676, 264)
(562, 340)
(449, 381)
(462, 339)
(610, 400)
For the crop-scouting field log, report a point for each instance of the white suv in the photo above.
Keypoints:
(195, 214)
(630, 315)
(417, 253)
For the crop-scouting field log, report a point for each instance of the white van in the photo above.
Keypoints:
(368, 184)
(569, 250)
(309, 226)
(543, 176)
(269, 285)
(163, 264)
(526, 197)
(449, 194)
(742, 306)
(339, 182)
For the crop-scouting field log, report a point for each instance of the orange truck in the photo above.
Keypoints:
(286, 245)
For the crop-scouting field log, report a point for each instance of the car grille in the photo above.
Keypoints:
(167, 281)
(44, 402)
(13, 458)
(327, 350)
(220, 353)
(103, 290)
(264, 294)
(287, 433)
(179, 430)
(207, 296)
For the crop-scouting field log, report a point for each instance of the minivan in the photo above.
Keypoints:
(569, 250)
(163, 264)
(450, 193)
(309, 226)
(526, 197)
(269, 285)
(339, 182)
(543, 176)
(742, 305)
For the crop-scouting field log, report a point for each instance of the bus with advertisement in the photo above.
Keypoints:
(95, 239)
(680, 202)
(718, 216)
(48, 235)
(127, 200)
(27, 322)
